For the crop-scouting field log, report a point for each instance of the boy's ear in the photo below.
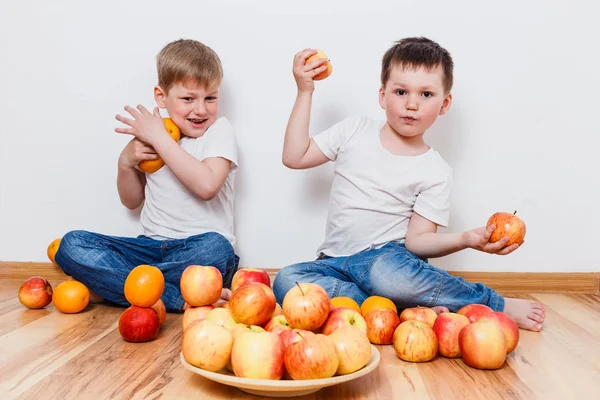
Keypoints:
(446, 104)
(159, 96)
(382, 97)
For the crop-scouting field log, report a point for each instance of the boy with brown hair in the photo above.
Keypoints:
(390, 192)
(187, 214)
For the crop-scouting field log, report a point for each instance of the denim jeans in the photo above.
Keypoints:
(103, 262)
(390, 271)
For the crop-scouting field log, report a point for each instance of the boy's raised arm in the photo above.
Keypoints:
(130, 181)
(299, 150)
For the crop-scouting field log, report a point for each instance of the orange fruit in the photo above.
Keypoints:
(150, 166)
(144, 286)
(343, 301)
(375, 303)
(71, 297)
(319, 54)
(52, 249)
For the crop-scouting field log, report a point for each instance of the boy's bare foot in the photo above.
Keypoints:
(440, 309)
(528, 314)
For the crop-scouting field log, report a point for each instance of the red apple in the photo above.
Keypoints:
(381, 325)
(352, 348)
(207, 345)
(247, 275)
(313, 357)
(474, 311)
(415, 341)
(258, 355)
(423, 314)
(277, 324)
(192, 314)
(306, 306)
(222, 317)
(35, 292)
(447, 327)
(139, 324)
(507, 225)
(343, 316)
(161, 310)
(252, 304)
(482, 345)
(509, 328)
(238, 329)
(201, 286)
(290, 336)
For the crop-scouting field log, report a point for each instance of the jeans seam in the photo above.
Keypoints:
(438, 290)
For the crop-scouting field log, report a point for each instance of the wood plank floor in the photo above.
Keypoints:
(46, 354)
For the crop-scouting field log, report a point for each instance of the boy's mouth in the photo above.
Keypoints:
(197, 121)
(409, 119)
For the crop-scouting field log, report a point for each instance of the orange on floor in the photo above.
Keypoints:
(71, 297)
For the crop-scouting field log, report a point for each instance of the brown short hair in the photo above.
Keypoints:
(418, 52)
(189, 62)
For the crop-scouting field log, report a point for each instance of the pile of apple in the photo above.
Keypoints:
(481, 336)
(253, 337)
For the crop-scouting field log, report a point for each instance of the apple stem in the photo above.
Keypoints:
(515, 213)
(299, 334)
(300, 287)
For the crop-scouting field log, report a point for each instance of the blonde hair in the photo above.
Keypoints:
(188, 62)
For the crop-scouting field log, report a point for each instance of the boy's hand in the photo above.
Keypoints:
(145, 126)
(135, 152)
(304, 73)
(479, 239)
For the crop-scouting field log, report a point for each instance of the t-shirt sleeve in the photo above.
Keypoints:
(433, 202)
(221, 142)
(331, 141)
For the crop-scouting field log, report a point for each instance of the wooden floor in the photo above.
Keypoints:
(49, 355)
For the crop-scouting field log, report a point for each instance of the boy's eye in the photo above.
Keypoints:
(427, 94)
(211, 98)
(187, 98)
(401, 92)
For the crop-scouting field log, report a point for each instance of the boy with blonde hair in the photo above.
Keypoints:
(390, 192)
(187, 214)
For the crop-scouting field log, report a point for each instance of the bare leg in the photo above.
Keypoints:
(528, 314)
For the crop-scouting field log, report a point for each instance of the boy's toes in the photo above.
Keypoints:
(535, 317)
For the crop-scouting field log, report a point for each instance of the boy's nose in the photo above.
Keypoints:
(199, 109)
(412, 103)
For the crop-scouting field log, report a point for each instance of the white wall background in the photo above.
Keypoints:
(522, 133)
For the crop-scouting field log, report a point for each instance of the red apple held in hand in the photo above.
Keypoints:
(423, 314)
(252, 304)
(381, 325)
(161, 310)
(290, 336)
(507, 225)
(278, 324)
(222, 317)
(306, 306)
(201, 286)
(447, 326)
(352, 348)
(139, 324)
(482, 345)
(474, 311)
(238, 329)
(313, 357)
(509, 328)
(247, 275)
(343, 316)
(192, 314)
(35, 292)
(207, 345)
(258, 355)
(415, 341)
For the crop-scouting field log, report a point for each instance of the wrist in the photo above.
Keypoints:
(464, 241)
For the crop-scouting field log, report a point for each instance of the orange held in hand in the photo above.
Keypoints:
(375, 303)
(151, 166)
(70, 297)
(52, 249)
(144, 286)
(319, 54)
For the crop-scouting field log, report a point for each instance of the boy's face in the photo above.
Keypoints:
(192, 109)
(413, 99)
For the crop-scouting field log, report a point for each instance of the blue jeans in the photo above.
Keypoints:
(103, 262)
(390, 271)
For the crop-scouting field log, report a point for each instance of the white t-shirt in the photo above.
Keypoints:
(171, 211)
(374, 192)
